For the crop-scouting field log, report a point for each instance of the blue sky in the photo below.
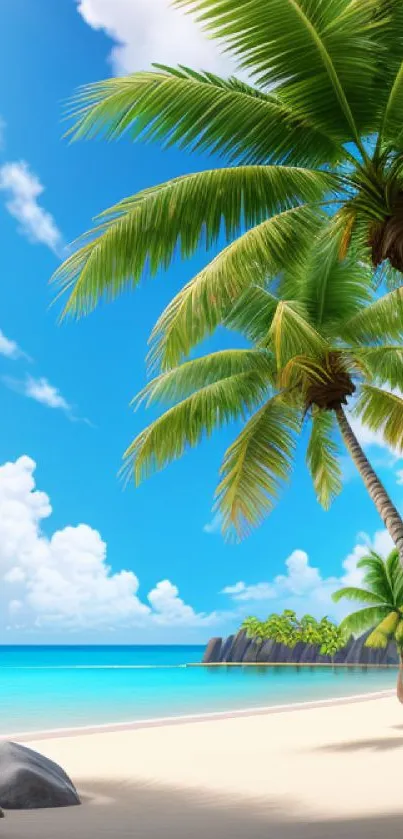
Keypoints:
(107, 565)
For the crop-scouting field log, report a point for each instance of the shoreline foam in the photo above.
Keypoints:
(183, 719)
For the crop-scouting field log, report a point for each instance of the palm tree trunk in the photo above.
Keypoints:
(377, 492)
(399, 690)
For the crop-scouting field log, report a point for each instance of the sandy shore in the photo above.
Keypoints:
(312, 773)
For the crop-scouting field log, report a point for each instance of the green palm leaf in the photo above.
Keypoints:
(186, 423)
(364, 619)
(384, 363)
(360, 594)
(201, 372)
(382, 411)
(291, 333)
(208, 299)
(380, 635)
(393, 568)
(253, 313)
(146, 230)
(334, 290)
(203, 112)
(390, 89)
(376, 576)
(391, 127)
(256, 466)
(323, 458)
(380, 322)
(322, 54)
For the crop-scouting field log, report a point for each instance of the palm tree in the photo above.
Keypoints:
(383, 611)
(324, 339)
(255, 629)
(320, 125)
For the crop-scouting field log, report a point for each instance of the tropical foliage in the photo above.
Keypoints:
(312, 147)
(319, 124)
(320, 339)
(381, 599)
(381, 605)
(288, 630)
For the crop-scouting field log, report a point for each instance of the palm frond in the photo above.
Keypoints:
(359, 622)
(377, 640)
(390, 76)
(384, 364)
(376, 576)
(391, 128)
(144, 232)
(256, 466)
(334, 289)
(188, 422)
(192, 375)
(388, 15)
(395, 574)
(200, 112)
(379, 323)
(323, 458)
(387, 627)
(253, 313)
(322, 55)
(292, 334)
(361, 595)
(382, 411)
(208, 299)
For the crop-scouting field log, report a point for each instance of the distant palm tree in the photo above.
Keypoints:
(383, 611)
(320, 125)
(255, 629)
(323, 340)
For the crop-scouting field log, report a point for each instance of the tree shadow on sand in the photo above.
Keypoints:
(381, 744)
(120, 811)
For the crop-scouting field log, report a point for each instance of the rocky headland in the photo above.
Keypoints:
(239, 649)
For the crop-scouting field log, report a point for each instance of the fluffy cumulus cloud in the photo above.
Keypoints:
(23, 189)
(303, 587)
(64, 581)
(147, 31)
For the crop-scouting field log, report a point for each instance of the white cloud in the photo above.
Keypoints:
(40, 390)
(23, 189)
(303, 587)
(259, 591)
(147, 31)
(215, 525)
(170, 608)
(63, 580)
(10, 349)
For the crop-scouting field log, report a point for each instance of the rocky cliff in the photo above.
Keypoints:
(240, 649)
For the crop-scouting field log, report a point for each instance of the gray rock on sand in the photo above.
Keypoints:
(31, 781)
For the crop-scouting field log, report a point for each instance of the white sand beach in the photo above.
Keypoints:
(317, 773)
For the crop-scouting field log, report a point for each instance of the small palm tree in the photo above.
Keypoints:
(255, 629)
(383, 610)
(284, 628)
(323, 340)
(319, 125)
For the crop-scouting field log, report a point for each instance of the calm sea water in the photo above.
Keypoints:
(52, 687)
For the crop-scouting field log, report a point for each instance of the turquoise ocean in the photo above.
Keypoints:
(60, 687)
